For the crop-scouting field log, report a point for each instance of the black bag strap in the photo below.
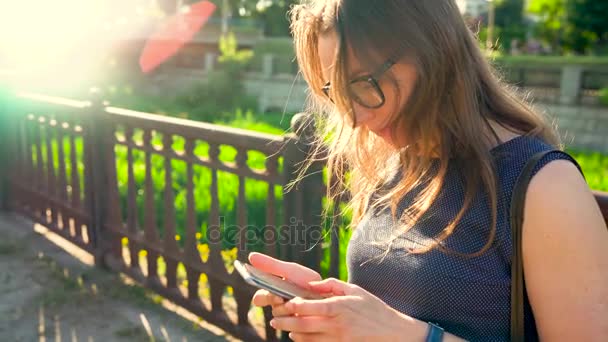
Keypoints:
(516, 216)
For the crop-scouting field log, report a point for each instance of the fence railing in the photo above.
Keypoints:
(171, 202)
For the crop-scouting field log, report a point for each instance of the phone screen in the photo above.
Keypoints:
(272, 283)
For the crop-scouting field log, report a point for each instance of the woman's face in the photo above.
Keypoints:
(377, 120)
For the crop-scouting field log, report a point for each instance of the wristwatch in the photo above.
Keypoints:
(435, 333)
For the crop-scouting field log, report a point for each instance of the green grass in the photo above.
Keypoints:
(595, 168)
(272, 123)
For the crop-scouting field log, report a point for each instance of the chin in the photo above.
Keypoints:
(386, 137)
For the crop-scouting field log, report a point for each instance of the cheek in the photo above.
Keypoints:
(392, 106)
(364, 115)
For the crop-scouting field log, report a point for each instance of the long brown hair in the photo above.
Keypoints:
(455, 96)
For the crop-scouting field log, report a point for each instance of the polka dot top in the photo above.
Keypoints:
(467, 296)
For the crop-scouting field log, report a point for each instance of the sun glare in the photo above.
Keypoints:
(36, 32)
(41, 39)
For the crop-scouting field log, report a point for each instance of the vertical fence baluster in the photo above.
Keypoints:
(41, 186)
(270, 231)
(336, 221)
(192, 255)
(75, 196)
(170, 245)
(62, 184)
(215, 238)
(270, 244)
(243, 299)
(7, 145)
(50, 162)
(114, 229)
(241, 207)
(13, 176)
(132, 224)
(28, 180)
(150, 229)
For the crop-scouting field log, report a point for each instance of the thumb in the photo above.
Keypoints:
(334, 286)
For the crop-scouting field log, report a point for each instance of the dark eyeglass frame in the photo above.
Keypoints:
(371, 79)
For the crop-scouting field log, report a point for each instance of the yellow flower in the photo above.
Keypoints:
(177, 237)
(199, 236)
(124, 241)
(203, 250)
(203, 278)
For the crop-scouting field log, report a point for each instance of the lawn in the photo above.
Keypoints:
(595, 168)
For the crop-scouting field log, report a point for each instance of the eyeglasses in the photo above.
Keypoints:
(365, 89)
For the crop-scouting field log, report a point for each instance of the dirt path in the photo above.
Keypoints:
(47, 294)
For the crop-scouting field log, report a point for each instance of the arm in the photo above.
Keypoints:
(565, 254)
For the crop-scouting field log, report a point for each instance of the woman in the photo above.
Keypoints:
(433, 143)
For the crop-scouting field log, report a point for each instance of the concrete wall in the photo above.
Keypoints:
(581, 127)
(277, 93)
(583, 124)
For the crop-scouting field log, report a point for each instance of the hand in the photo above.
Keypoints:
(352, 314)
(293, 272)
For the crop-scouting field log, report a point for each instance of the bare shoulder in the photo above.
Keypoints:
(565, 252)
(560, 203)
(560, 185)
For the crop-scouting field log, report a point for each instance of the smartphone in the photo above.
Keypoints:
(273, 284)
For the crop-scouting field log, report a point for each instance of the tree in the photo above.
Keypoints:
(507, 23)
(551, 20)
(587, 24)
(509, 12)
(275, 18)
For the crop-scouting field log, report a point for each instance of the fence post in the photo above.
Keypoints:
(5, 145)
(95, 173)
(571, 84)
(303, 201)
(210, 58)
(267, 65)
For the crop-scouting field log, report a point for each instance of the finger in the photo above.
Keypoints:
(264, 298)
(280, 311)
(328, 307)
(332, 285)
(296, 273)
(310, 337)
(311, 324)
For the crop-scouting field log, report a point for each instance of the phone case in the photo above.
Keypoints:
(272, 283)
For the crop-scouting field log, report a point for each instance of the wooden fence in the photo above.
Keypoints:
(64, 173)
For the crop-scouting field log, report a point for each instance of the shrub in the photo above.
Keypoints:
(603, 96)
(223, 90)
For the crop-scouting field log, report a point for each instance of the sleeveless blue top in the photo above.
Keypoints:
(467, 296)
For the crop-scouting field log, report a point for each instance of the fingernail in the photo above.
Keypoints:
(272, 323)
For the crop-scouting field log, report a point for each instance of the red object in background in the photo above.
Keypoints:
(173, 34)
